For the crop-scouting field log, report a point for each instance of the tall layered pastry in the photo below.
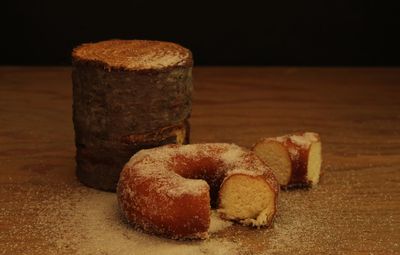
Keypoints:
(128, 95)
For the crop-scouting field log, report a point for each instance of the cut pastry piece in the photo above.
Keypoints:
(295, 159)
(247, 199)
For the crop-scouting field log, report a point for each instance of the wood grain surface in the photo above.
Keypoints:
(354, 210)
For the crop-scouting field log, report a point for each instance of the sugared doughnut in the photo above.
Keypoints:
(168, 190)
(295, 159)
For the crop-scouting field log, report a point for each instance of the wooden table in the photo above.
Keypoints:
(355, 209)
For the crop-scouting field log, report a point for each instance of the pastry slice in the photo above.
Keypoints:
(295, 159)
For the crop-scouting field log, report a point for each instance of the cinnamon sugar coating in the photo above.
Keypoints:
(133, 55)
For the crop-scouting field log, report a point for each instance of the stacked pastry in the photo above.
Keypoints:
(128, 95)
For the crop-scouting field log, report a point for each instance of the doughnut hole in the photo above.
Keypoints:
(314, 163)
(276, 156)
(204, 168)
(247, 199)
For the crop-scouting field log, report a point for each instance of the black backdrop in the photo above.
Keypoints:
(323, 33)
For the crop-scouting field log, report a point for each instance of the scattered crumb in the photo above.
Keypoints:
(86, 221)
(333, 217)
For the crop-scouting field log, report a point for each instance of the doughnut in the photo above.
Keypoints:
(169, 190)
(295, 159)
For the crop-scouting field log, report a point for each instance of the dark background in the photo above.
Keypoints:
(305, 33)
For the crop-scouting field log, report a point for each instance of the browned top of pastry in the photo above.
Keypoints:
(133, 55)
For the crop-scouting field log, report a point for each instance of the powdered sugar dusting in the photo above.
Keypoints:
(158, 60)
(311, 136)
(156, 164)
(293, 152)
(217, 224)
(244, 171)
(88, 222)
(280, 139)
(135, 54)
(304, 140)
(71, 219)
(300, 140)
(187, 186)
(232, 155)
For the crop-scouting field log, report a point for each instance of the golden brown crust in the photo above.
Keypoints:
(166, 190)
(299, 153)
(133, 55)
(298, 177)
(188, 215)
